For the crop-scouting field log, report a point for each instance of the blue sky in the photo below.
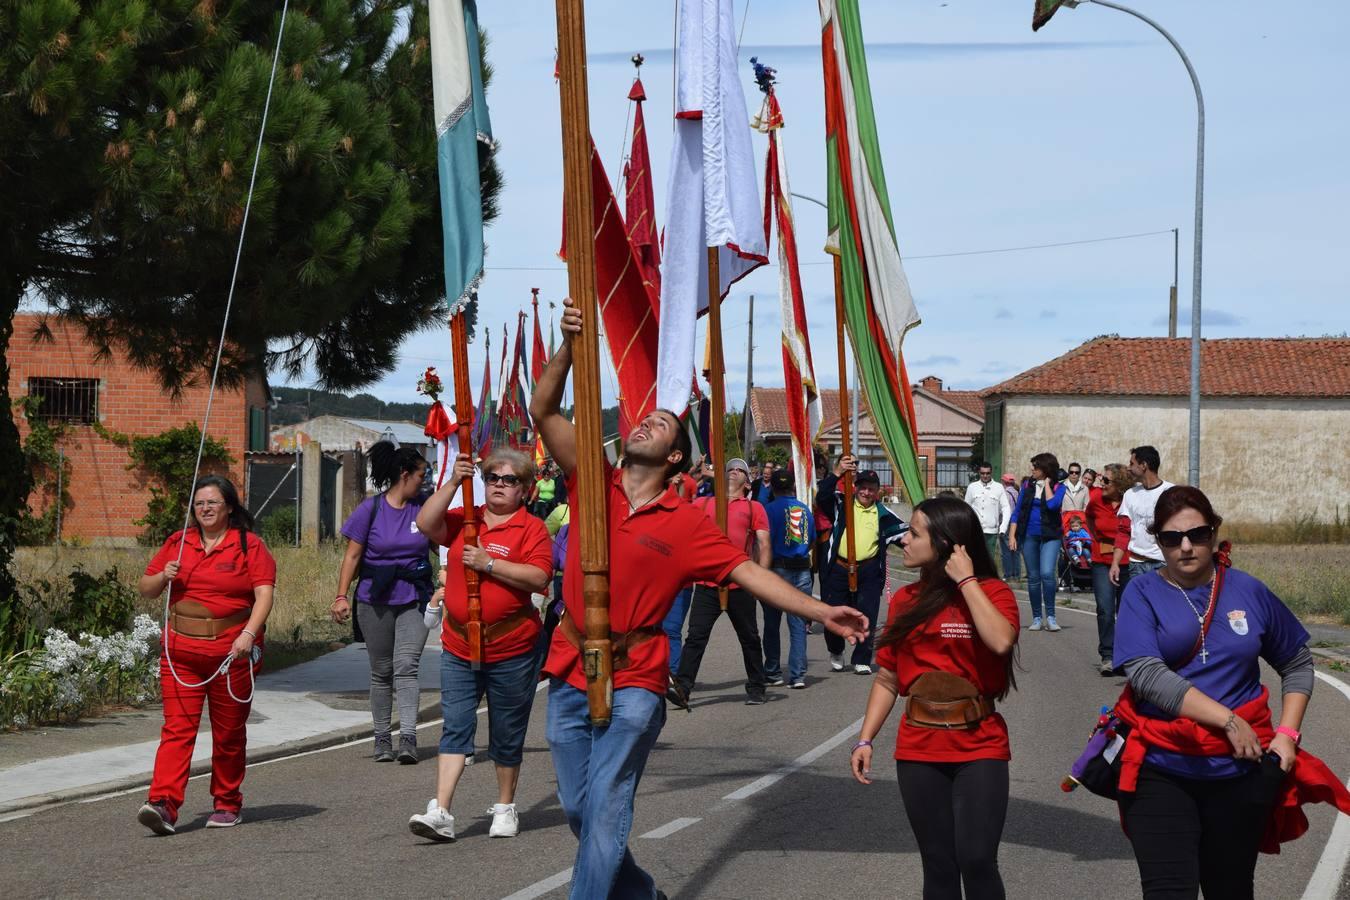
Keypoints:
(992, 137)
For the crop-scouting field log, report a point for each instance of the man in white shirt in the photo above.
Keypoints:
(1075, 492)
(991, 506)
(1136, 518)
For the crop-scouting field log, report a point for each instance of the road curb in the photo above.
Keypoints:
(426, 710)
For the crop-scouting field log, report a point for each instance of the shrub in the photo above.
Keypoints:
(78, 603)
(278, 527)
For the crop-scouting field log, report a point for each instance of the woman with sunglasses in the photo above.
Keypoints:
(1102, 521)
(514, 560)
(1197, 801)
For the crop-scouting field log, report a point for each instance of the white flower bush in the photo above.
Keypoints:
(66, 677)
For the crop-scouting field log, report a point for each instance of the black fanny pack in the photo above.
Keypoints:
(381, 578)
(791, 562)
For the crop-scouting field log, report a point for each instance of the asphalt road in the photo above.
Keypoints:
(737, 802)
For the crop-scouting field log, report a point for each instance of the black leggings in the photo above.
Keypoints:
(944, 800)
(1194, 833)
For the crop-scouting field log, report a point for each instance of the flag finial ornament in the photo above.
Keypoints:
(765, 77)
(637, 59)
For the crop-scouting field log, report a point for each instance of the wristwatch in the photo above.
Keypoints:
(488, 567)
(1295, 736)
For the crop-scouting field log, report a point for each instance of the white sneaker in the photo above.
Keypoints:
(436, 824)
(861, 669)
(468, 759)
(1035, 624)
(1051, 624)
(836, 662)
(505, 822)
(799, 685)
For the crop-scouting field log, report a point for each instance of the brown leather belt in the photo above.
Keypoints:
(496, 629)
(189, 624)
(966, 712)
(622, 642)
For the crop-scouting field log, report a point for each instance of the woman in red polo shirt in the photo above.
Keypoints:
(1103, 514)
(514, 560)
(222, 578)
(949, 646)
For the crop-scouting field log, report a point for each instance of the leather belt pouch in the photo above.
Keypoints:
(943, 700)
(622, 642)
(191, 619)
(496, 629)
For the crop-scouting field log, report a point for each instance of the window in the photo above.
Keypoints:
(70, 400)
(953, 467)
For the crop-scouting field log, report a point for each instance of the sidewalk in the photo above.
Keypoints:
(310, 705)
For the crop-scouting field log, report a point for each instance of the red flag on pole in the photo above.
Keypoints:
(639, 199)
(538, 355)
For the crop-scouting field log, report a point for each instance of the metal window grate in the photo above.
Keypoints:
(70, 400)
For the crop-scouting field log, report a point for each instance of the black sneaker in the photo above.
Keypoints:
(775, 680)
(754, 700)
(677, 696)
(407, 749)
(384, 748)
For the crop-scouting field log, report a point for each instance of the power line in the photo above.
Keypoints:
(1098, 240)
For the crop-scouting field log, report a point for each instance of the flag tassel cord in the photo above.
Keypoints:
(215, 378)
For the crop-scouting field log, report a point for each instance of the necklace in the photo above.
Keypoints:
(632, 507)
(1200, 615)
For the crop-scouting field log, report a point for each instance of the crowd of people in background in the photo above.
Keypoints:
(1209, 781)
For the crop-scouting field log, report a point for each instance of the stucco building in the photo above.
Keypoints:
(1274, 423)
(948, 423)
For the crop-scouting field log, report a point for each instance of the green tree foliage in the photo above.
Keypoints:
(127, 135)
(49, 472)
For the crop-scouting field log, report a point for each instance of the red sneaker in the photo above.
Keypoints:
(224, 818)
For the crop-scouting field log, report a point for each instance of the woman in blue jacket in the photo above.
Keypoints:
(1037, 530)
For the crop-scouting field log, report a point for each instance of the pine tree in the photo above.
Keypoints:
(127, 135)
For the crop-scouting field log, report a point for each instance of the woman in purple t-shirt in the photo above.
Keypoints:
(1197, 821)
(394, 583)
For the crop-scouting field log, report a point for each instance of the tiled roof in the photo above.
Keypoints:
(1160, 367)
(970, 401)
(769, 408)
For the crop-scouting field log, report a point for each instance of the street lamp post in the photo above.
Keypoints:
(1194, 460)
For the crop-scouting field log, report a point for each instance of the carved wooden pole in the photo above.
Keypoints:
(717, 382)
(592, 524)
(459, 350)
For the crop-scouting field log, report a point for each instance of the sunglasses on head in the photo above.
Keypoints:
(508, 479)
(1201, 535)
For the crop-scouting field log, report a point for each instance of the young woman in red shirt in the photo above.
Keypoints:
(221, 578)
(950, 647)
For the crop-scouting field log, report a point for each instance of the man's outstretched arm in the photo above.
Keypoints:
(556, 430)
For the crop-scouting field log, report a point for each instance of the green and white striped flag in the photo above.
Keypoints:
(879, 308)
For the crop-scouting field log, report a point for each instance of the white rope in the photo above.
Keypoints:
(215, 376)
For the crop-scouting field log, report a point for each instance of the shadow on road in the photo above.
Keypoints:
(272, 812)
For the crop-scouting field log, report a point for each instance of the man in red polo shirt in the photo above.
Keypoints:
(657, 545)
(747, 528)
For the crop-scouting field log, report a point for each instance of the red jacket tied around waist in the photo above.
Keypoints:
(1309, 781)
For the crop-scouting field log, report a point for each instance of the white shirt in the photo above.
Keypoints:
(990, 502)
(1075, 498)
(1139, 503)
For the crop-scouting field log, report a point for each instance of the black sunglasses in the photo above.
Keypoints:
(508, 480)
(1201, 535)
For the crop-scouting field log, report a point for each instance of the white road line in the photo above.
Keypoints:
(1326, 878)
(434, 723)
(16, 816)
(540, 888)
(669, 828)
(805, 759)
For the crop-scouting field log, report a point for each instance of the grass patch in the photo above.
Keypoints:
(1313, 580)
(306, 583)
(1304, 529)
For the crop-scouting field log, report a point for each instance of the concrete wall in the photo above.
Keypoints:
(333, 432)
(1261, 460)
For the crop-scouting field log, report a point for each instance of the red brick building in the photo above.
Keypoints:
(58, 364)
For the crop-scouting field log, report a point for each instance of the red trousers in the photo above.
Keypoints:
(195, 660)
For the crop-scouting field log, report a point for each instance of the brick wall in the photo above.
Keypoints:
(106, 497)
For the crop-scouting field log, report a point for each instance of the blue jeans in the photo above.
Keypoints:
(1012, 563)
(598, 772)
(1108, 600)
(1134, 569)
(509, 686)
(773, 616)
(674, 625)
(1042, 558)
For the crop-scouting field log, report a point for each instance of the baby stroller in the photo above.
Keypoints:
(1075, 562)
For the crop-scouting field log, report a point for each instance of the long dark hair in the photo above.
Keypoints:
(239, 516)
(389, 463)
(950, 522)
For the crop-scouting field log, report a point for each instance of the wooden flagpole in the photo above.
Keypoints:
(717, 383)
(592, 523)
(459, 350)
(845, 435)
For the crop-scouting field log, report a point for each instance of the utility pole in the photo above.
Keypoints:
(1172, 300)
(749, 377)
